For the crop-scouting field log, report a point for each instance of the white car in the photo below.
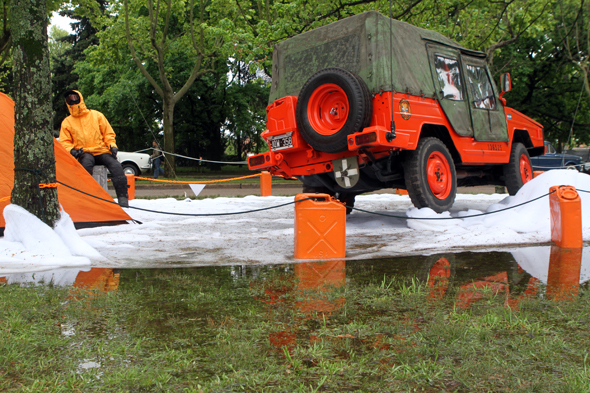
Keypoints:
(134, 163)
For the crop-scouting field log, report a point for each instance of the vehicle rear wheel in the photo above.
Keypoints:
(131, 169)
(518, 171)
(430, 175)
(332, 104)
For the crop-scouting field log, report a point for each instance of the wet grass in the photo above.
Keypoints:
(287, 329)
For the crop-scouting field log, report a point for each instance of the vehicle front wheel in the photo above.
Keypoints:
(518, 171)
(131, 169)
(430, 175)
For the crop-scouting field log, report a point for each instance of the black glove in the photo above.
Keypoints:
(77, 152)
(114, 151)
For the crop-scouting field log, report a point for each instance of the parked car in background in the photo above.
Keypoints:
(134, 163)
(554, 160)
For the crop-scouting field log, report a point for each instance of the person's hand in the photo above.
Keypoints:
(77, 152)
(114, 151)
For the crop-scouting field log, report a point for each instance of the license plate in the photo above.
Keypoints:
(280, 142)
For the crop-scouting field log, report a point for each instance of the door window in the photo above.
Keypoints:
(479, 82)
(449, 77)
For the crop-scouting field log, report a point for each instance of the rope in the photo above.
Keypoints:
(451, 218)
(185, 214)
(220, 214)
(200, 159)
(200, 182)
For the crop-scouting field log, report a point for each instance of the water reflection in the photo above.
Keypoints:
(466, 277)
(103, 279)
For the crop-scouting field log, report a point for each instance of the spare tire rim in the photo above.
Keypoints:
(438, 174)
(328, 108)
(526, 172)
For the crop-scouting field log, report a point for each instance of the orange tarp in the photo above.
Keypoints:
(83, 209)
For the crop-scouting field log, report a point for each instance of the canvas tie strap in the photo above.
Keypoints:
(38, 173)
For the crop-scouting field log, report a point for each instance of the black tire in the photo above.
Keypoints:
(438, 193)
(131, 169)
(513, 178)
(333, 137)
(348, 200)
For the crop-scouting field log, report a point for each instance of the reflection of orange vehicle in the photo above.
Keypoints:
(343, 122)
(562, 281)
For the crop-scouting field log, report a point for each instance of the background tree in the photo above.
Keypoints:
(167, 29)
(63, 76)
(33, 141)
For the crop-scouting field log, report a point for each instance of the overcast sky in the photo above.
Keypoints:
(60, 21)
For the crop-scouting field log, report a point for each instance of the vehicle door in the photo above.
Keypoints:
(487, 114)
(445, 66)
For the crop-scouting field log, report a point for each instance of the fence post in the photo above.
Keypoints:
(130, 186)
(265, 184)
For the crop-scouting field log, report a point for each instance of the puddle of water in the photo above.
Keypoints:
(305, 316)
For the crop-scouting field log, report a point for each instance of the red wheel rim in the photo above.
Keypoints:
(526, 172)
(438, 173)
(327, 110)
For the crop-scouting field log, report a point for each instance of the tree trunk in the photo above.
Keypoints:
(34, 159)
(170, 164)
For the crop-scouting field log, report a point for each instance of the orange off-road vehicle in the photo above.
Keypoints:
(368, 103)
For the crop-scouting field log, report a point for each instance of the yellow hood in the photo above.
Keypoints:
(78, 109)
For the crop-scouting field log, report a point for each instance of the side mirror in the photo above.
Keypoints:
(506, 86)
(506, 82)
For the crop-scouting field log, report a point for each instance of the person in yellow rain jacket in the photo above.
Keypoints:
(89, 137)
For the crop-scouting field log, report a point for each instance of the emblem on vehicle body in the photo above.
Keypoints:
(346, 171)
(404, 109)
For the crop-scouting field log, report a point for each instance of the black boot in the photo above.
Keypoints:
(120, 184)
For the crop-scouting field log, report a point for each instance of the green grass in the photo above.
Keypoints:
(217, 329)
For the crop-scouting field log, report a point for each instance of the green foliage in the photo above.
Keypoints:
(542, 43)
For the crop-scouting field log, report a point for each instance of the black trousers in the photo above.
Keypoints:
(88, 161)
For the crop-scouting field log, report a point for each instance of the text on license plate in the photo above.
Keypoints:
(281, 142)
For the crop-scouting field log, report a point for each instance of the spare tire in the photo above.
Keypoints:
(333, 104)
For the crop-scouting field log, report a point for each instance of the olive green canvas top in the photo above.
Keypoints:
(361, 44)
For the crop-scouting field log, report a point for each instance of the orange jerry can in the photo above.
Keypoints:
(320, 227)
(566, 216)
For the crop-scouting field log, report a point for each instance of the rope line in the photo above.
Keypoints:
(195, 181)
(219, 214)
(452, 218)
(185, 214)
(200, 159)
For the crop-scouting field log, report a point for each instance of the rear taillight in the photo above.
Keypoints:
(256, 160)
(366, 138)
